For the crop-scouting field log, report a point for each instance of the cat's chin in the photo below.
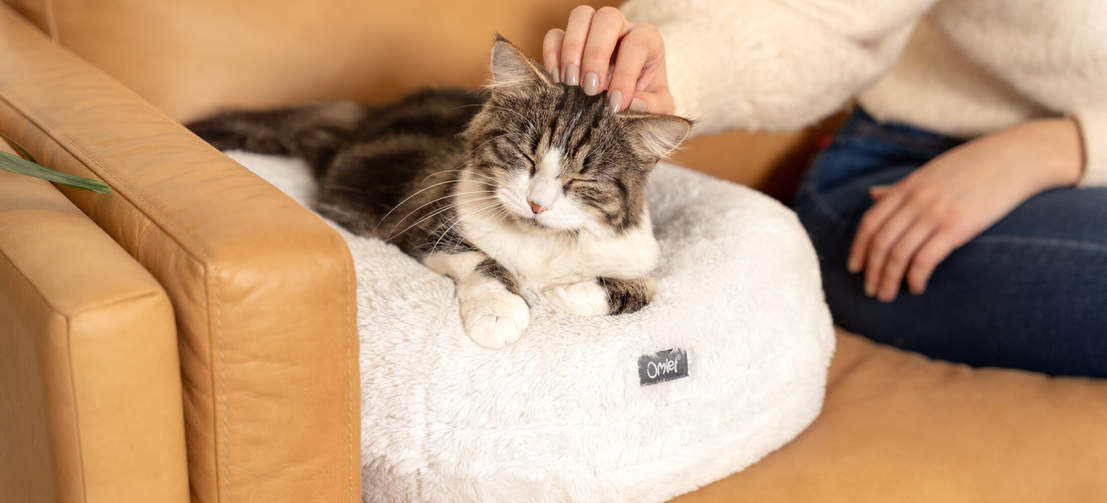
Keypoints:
(534, 224)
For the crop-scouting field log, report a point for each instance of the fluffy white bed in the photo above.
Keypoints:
(564, 414)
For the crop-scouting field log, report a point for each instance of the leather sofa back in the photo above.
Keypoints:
(192, 57)
(262, 289)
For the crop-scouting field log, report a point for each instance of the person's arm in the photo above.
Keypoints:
(917, 222)
(774, 64)
(752, 64)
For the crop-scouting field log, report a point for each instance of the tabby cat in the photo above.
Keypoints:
(529, 184)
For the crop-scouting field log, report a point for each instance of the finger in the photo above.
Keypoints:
(572, 45)
(551, 52)
(608, 25)
(900, 257)
(870, 223)
(635, 50)
(878, 191)
(884, 240)
(945, 239)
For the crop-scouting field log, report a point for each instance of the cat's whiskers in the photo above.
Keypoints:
(433, 214)
(457, 220)
(447, 196)
(487, 178)
(472, 172)
(408, 198)
(500, 212)
(449, 226)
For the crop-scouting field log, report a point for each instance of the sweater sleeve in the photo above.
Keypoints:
(774, 64)
(1093, 132)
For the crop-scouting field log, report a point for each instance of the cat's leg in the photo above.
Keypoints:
(492, 312)
(601, 296)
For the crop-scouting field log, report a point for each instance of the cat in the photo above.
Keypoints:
(526, 184)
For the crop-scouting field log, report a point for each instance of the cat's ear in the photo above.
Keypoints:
(655, 136)
(511, 68)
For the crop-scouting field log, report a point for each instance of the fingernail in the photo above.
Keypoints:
(591, 84)
(637, 105)
(572, 74)
(616, 100)
(555, 74)
(869, 290)
(852, 266)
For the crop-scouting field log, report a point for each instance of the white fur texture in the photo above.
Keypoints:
(560, 415)
(492, 316)
(544, 189)
(542, 259)
(584, 298)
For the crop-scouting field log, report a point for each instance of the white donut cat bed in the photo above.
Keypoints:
(563, 415)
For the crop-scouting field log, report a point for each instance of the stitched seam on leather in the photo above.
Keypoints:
(69, 356)
(223, 383)
(351, 393)
(128, 193)
(51, 22)
(76, 407)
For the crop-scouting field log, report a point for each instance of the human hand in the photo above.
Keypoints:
(917, 222)
(601, 50)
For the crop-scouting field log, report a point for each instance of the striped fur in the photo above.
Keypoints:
(395, 171)
(627, 295)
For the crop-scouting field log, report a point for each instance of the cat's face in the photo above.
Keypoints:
(557, 159)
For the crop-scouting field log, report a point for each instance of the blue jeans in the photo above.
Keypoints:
(1030, 292)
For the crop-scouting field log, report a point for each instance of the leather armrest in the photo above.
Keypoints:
(262, 289)
(90, 395)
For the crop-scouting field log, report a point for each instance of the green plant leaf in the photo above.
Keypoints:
(17, 164)
(18, 148)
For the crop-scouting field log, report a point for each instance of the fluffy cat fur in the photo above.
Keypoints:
(529, 184)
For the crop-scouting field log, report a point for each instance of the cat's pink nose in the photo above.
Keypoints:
(536, 208)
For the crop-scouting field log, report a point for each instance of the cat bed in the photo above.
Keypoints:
(727, 363)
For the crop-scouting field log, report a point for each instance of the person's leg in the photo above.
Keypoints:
(1030, 292)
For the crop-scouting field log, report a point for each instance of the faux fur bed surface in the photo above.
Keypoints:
(563, 415)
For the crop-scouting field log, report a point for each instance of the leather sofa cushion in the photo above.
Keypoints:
(896, 426)
(261, 288)
(90, 392)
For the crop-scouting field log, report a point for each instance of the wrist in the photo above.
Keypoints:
(1064, 160)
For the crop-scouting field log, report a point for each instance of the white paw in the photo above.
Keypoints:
(586, 298)
(495, 320)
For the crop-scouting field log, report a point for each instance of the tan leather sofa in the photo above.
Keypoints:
(191, 336)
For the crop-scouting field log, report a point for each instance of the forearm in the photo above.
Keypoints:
(767, 65)
(1062, 162)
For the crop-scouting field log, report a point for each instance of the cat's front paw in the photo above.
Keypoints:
(496, 320)
(585, 298)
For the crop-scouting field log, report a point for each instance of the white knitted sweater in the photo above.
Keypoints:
(958, 67)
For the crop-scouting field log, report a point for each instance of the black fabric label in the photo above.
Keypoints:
(662, 366)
